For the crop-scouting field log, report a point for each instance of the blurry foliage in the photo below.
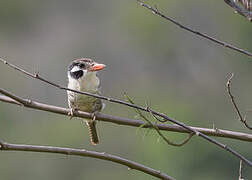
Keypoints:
(17, 16)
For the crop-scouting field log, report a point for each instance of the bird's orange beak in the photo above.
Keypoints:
(97, 67)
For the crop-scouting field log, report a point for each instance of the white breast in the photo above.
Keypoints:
(88, 83)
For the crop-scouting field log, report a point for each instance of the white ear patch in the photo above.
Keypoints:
(75, 68)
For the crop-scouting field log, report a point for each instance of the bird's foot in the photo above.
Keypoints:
(71, 112)
(93, 117)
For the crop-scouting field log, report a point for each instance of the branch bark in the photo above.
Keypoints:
(126, 121)
(4, 146)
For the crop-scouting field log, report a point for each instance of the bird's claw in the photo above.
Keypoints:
(71, 112)
(93, 116)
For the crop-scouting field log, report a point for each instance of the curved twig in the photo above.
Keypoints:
(4, 146)
(205, 36)
(154, 126)
(187, 139)
(242, 119)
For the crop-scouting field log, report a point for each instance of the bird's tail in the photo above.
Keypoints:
(92, 132)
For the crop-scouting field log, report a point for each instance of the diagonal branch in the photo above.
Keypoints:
(203, 35)
(4, 146)
(242, 119)
(193, 131)
(128, 122)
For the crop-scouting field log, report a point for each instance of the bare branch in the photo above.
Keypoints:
(224, 146)
(130, 122)
(193, 131)
(203, 35)
(241, 10)
(242, 119)
(4, 146)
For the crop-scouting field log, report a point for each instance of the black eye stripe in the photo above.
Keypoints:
(81, 65)
(76, 74)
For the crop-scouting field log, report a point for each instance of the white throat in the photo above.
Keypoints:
(89, 82)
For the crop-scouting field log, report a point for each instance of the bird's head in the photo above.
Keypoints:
(83, 67)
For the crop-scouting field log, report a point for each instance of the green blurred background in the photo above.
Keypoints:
(150, 59)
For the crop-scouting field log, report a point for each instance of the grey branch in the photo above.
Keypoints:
(146, 109)
(120, 120)
(203, 35)
(4, 146)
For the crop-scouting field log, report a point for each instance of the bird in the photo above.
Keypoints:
(82, 76)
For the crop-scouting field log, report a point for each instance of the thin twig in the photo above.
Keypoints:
(154, 126)
(241, 118)
(129, 122)
(223, 146)
(187, 139)
(222, 43)
(154, 116)
(241, 10)
(4, 146)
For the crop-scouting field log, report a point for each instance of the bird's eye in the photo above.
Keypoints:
(82, 66)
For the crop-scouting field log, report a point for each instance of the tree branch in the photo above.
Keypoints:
(242, 119)
(203, 35)
(146, 109)
(4, 146)
(124, 121)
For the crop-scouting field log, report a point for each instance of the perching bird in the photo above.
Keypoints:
(82, 77)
